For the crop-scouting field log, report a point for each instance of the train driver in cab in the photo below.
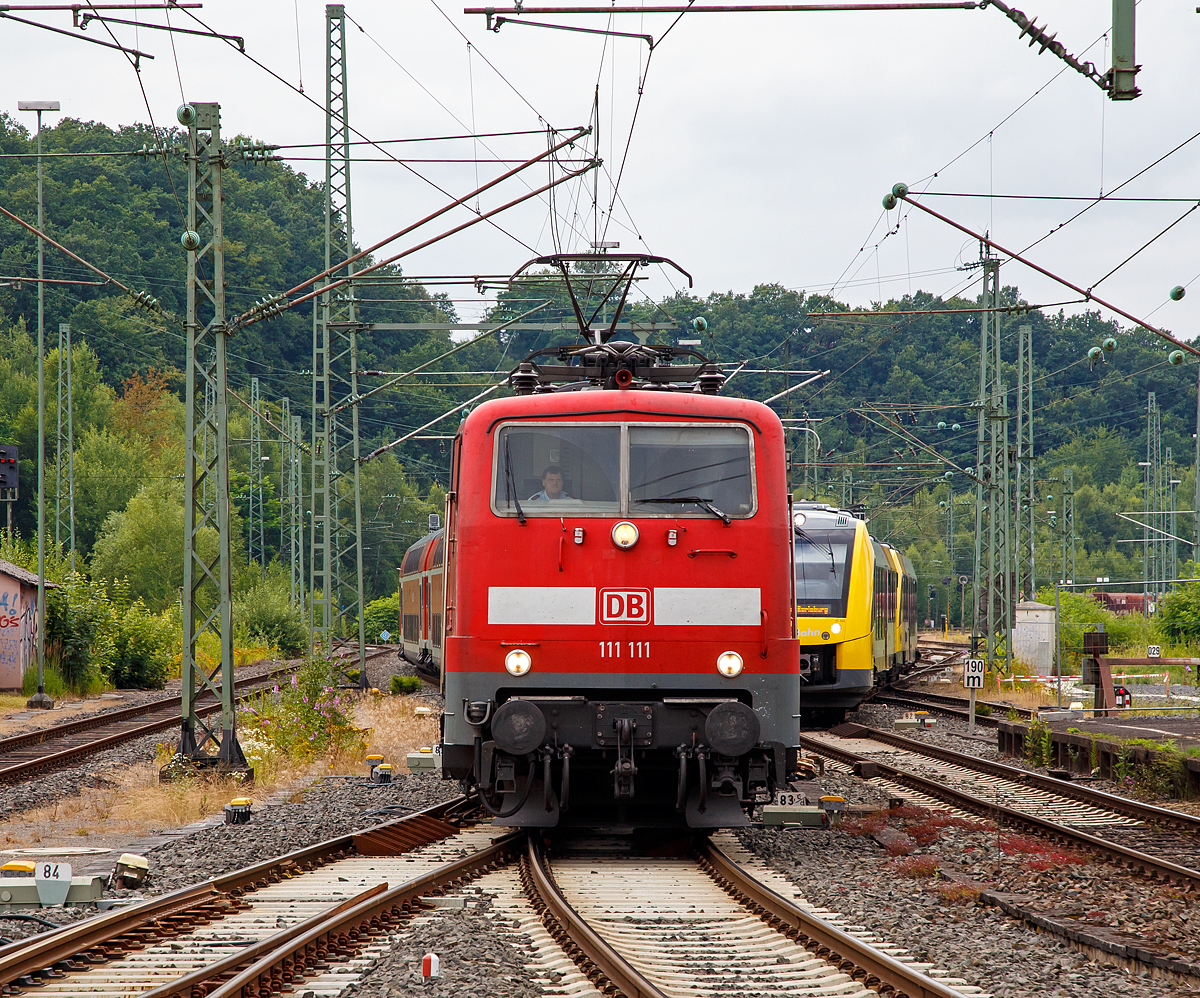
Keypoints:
(552, 485)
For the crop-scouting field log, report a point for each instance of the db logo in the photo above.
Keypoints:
(624, 606)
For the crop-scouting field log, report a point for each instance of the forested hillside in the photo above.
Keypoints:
(123, 213)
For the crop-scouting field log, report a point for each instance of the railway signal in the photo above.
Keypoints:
(8, 466)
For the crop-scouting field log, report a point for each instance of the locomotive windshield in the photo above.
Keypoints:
(822, 570)
(577, 469)
(559, 469)
(688, 468)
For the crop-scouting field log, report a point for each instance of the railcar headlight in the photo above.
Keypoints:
(625, 535)
(518, 662)
(729, 664)
(798, 520)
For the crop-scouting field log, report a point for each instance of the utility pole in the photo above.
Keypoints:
(64, 452)
(207, 585)
(1172, 545)
(40, 699)
(993, 551)
(1024, 579)
(297, 512)
(285, 493)
(255, 542)
(1196, 466)
(950, 529)
(1067, 525)
(335, 365)
(1153, 549)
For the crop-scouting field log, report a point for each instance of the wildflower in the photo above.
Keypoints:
(295, 680)
(276, 690)
(305, 699)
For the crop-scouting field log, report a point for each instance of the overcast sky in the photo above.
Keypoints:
(763, 145)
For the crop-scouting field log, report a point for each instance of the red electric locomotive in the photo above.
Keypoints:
(615, 638)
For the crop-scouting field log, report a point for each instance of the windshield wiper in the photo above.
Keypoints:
(804, 535)
(510, 479)
(706, 503)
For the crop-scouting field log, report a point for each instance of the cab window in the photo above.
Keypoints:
(672, 466)
(559, 470)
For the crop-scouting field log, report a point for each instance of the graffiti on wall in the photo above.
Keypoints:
(17, 633)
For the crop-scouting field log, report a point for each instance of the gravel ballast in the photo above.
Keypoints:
(1001, 954)
(331, 807)
(481, 956)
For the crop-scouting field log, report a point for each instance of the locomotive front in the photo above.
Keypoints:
(618, 627)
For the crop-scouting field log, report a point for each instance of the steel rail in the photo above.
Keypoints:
(953, 701)
(102, 718)
(896, 700)
(823, 938)
(1160, 868)
(571, 931)
(27, 956)
(230, 965)
(1149, 813)
(21, 770)
(262, 977)
(918, 701)
(13, 743)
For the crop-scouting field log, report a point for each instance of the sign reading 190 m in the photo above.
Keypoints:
(973, 673)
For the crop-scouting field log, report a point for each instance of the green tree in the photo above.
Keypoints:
(144, 545)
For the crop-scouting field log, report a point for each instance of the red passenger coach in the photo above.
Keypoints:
(618, 631)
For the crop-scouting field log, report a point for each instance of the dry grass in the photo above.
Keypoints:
(395, 728)
(127, 803)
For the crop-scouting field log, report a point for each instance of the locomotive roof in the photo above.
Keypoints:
(619, 404)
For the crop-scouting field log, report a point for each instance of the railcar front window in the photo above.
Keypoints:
(822, 570)
(558, 470)
(690, 470)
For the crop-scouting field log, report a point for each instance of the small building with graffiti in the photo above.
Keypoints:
(18, 623)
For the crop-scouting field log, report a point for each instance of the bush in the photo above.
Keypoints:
(141, 649)
(383, 615)
(264, 612)
(303, 715)
(407, 684)
(1179, 613)
(79, 626)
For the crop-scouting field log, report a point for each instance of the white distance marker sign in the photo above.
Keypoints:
(973, 673)
(53, 882)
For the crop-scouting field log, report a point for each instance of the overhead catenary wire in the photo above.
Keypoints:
(416, 173)
(1054, 277)
(280, 302)
(433, 215)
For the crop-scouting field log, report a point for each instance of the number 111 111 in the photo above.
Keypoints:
(636, 649)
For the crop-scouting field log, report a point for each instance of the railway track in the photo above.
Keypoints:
(1155, 841)
(318, 914)
(601, 919)
(948, 706)
(715, 922)
(51, 747)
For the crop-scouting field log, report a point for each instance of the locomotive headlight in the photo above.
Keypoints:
(729, 664)
(798, 520)
(625, 535)
(518, 662)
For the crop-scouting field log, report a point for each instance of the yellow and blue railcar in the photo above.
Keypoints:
(855, 611)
